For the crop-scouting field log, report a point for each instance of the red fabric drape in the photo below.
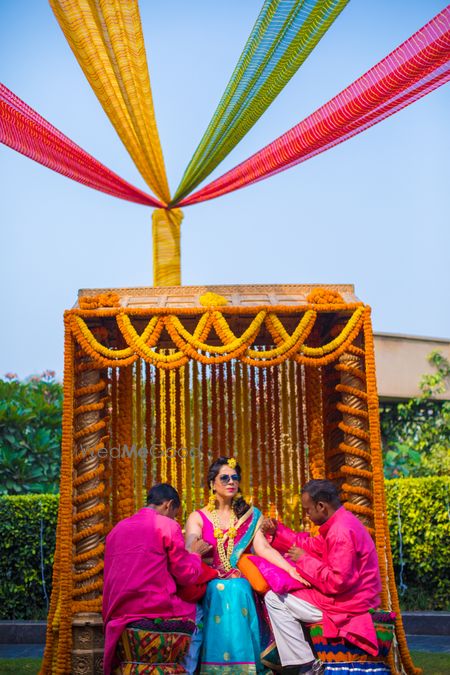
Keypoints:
(415, 68)
(24, 130)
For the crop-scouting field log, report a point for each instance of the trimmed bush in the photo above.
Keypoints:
(27, 543)
(423, 505)
(419, 508)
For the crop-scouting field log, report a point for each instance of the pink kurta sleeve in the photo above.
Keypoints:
(185, 567)
(340, 571)
(284, 538)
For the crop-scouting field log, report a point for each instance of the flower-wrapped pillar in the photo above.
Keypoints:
(90, 436)
(356, 468)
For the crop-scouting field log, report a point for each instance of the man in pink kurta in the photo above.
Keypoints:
(341, 565)
(145, 560)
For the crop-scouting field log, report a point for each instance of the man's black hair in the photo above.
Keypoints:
(163, 492)
(322, 491)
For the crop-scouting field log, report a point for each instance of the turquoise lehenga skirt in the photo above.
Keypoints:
(232, 629)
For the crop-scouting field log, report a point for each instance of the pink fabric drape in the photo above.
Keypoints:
(24, 130)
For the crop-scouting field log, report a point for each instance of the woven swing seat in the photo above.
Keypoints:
(338, 651)
(154, 647)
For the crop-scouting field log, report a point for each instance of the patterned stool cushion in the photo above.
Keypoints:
(338, 650)
(154, 647)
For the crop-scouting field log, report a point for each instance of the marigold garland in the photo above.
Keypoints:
(91, 388)
(219, 536)
(238, 411)
(205, 426)
(87, 606)
(286, 441)
(254, 441)
(222, 411)
(64, 584)
(196, 431)
(214, 414)
(87, 531)
(185, 435)
(92, 428)
(263, 441)
(270, 434)
(139, 458)
(190, 345)
(89, 475)
(83, 557)
(380, 510)
(93, 450)
(356, 489)
(277, 438)
(84, 515)
(349, 449)
(172, 421)
(230, 411)
(316, 457)
(356, 412)
(245, 457)
(92, 571)
(324, 296)
(89, 494)
(90, 407)
(125, 498)
(228, 310)
(148, 426)
(88, 588)
(294, 398)
(158, 422)
(354, 431)
(179, 423)
(345, 388)
(91, 302)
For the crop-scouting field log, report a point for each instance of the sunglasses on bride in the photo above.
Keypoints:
(226, 478)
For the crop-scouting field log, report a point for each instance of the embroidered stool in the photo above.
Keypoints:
(340, 656)
(153, 647)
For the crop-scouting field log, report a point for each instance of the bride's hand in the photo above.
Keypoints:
(295, 575)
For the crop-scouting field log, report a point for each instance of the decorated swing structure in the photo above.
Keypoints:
(159, 381)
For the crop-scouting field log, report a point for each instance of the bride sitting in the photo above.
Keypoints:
(232, 639)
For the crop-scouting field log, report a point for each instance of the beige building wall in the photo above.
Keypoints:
(401, 361)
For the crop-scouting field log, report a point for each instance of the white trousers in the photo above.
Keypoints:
(286, 611)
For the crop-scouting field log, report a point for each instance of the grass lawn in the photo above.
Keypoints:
(432, 664)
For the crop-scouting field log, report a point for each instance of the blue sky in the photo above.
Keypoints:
(373, 212)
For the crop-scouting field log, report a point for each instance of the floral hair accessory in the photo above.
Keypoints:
(232, 462)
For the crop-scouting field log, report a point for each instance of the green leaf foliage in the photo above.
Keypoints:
(22, 520)
(419, 510)
(416, 433)
(30, 434)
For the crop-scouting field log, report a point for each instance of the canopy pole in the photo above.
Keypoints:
(166, 231)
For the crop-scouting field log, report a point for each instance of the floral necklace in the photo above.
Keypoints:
(219, 535)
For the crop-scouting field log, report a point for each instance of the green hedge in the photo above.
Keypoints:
(424, 517)
(423, 505)
(26, 522)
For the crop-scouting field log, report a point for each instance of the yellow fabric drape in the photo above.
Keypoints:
(166, 247)
(106, 38)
